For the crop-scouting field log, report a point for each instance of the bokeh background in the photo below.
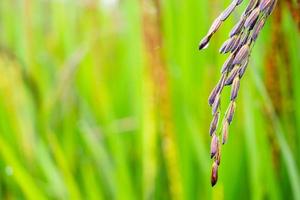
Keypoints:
(107, 99)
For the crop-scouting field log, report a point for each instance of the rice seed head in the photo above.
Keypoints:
(244, 38)
(243, 68)
(232, 75)
(271, 7)
(265, 4)
(216, 104)
(251, 5)
(227, 64)
(228, 44)
(222, 83)
(218, 156)
(236, 44)
(224, 46)
(232, 43)
(217, 89)
(214, 174)
(252, 18)
(230, 112)
(215, 26)
(214, 123)
(204, 42)
(238, 27)
(214, 145)
(242, 54)
(257, 28)
(213, 95)
(227, 12)
(225, 130)
(235, 88)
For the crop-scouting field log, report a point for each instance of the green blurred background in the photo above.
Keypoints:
(107, 99)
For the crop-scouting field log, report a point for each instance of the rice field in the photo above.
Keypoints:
(108, 99)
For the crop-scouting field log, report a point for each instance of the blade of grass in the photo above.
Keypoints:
(288, 158)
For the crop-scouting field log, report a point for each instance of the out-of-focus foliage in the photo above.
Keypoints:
(108, 100)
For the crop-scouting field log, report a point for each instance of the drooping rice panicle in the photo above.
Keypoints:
(239, 44)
